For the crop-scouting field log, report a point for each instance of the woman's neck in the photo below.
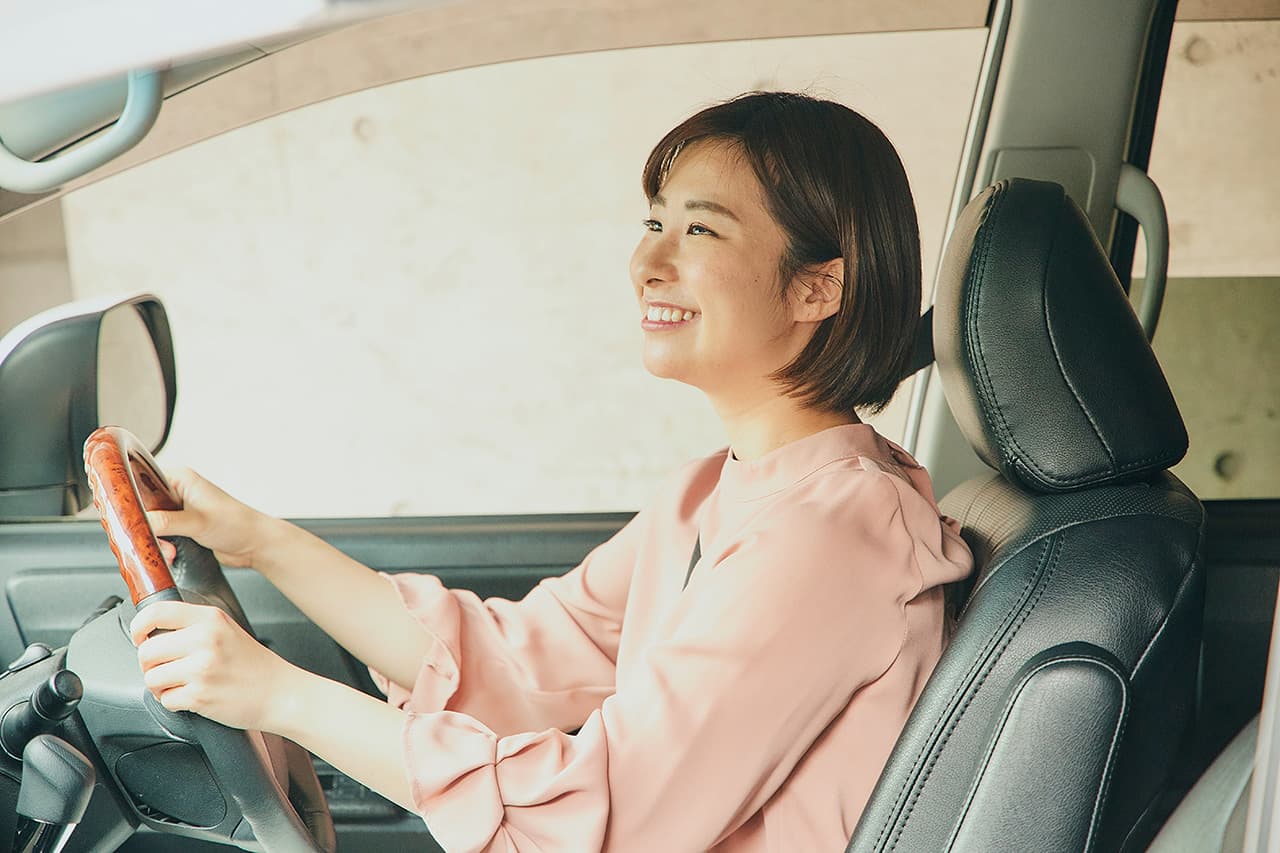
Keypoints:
(760, 427)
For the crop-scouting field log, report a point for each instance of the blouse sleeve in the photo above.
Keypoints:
(544, 661)
(767, 648)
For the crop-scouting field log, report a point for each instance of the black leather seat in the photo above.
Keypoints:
(1053, 718)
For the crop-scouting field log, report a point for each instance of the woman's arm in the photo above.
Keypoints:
(361, 736)
(546, 660)
(349, 601)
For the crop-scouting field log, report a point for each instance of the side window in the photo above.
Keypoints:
(1214, 160)
(414, 300)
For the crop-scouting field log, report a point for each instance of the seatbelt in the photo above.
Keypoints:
(693, 561)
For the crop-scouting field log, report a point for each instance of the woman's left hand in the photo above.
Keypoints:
(203, 661)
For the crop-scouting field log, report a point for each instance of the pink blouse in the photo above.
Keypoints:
(752, 711)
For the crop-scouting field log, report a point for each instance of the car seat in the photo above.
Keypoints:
(1213, 817)
(1053, 717)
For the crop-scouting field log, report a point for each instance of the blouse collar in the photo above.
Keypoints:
(793, 462)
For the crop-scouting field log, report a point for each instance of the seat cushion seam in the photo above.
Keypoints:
(1004, 720)
(1027, 607)
(996, 567)
(1177, 597)
(923, 756)
(1110, 766)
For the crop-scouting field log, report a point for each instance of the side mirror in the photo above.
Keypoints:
(63, 374)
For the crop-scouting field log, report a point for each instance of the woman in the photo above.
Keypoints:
(743, 700)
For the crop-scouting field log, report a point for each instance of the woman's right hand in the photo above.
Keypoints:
(234, 531)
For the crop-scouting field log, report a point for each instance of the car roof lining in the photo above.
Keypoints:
(252, 84)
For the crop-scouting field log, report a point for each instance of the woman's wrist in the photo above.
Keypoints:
(293, 692)
(274, 538)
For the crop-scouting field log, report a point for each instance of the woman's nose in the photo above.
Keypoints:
(653, 263)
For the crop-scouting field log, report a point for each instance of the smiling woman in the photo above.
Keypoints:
(806, 214)
(811, 533)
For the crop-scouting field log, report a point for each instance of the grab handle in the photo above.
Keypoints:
(1138, 196)
(146, 93)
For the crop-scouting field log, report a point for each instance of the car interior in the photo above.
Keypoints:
(1103, 688)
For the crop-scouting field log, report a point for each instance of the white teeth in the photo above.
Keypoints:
(668, 315)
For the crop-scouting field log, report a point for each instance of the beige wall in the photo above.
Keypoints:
(426, 284)
(1214, 155)
(1217, 344)
(33, 265)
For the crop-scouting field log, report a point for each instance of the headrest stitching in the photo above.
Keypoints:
(1118, 469)
(984, 239)
(1053, 346)
(976, 273)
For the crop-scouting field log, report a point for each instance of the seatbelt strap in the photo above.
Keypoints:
(693, 561)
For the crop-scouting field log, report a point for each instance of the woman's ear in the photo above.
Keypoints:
(818, 290)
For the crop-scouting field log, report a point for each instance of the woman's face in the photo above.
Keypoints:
(706, 276)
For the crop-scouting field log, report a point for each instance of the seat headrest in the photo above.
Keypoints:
(1043, 361)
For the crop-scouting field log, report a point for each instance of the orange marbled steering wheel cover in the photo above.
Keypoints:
(126, 482)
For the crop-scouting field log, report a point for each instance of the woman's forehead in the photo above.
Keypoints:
(715, 171)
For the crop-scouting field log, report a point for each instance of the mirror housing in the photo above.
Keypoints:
(60, 373)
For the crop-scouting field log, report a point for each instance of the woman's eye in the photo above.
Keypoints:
(653, 225)
(697, 228)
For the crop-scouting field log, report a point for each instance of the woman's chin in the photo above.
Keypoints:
(663, 368)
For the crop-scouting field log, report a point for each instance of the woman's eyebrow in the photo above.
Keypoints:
(703, 204)
(699, 204)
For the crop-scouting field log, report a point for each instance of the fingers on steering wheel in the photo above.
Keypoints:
(160, 648)
(172, 522)
(182, 480)
(167, 550)
(176, 698)
(166, 676)
(163, 615)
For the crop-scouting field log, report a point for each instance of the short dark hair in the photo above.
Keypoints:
(836, 186)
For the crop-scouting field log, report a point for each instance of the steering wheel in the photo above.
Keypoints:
(126, 482)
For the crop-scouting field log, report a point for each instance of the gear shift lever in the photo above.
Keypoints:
(57, 781)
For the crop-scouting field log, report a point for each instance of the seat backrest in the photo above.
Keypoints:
(1053, 717)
